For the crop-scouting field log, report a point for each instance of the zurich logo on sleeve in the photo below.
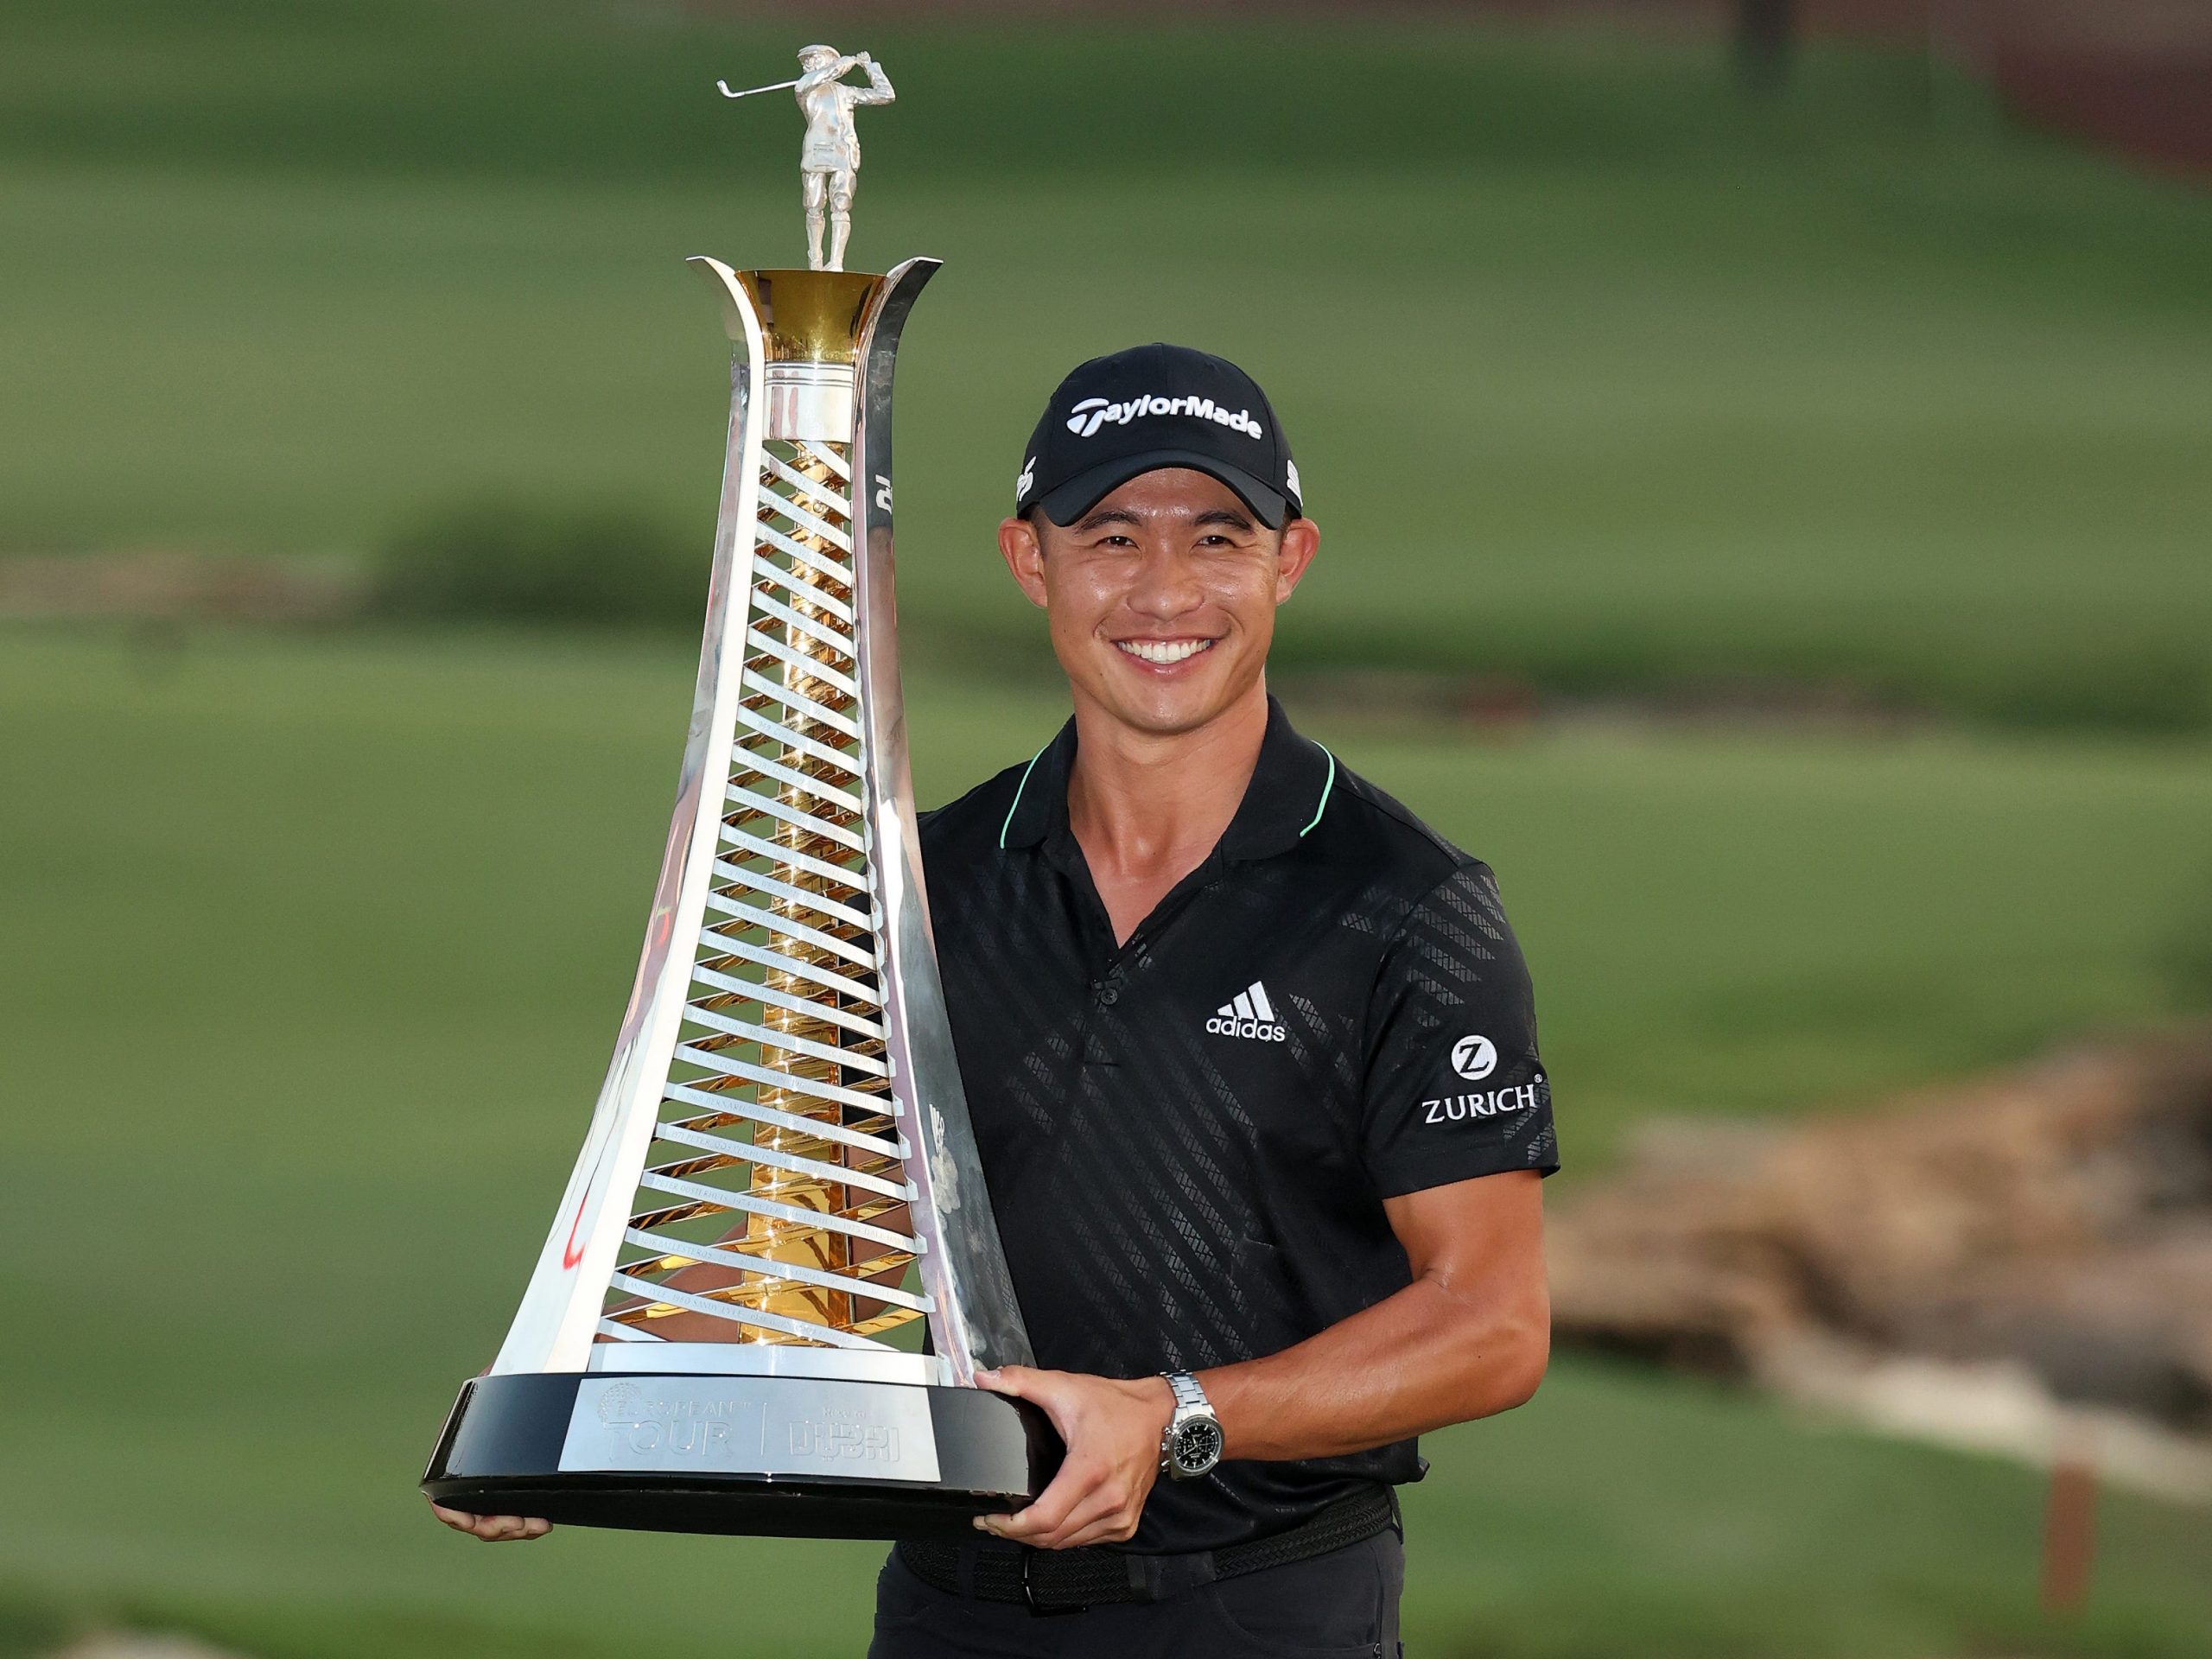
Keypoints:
(1474, 1056)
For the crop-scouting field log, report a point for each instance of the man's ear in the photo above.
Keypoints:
(1025, 555)
(1301, 539)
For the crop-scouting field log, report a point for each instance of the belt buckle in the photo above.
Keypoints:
(1029, 1590)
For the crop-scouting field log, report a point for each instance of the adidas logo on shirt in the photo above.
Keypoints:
(1249, 1015)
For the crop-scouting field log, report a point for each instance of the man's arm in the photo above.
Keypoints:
(1468, 1338)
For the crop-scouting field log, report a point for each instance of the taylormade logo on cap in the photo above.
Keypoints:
(1087, 417)
(1104, 424)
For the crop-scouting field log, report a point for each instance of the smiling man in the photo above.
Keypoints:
(1252, 1061)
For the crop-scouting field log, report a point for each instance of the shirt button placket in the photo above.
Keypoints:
(1105, 991)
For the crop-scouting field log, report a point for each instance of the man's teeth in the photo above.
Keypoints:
(1164, 650)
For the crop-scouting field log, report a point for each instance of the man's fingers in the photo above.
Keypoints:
(1115, 1526)
(1057, 1515)
(1104, 1522)
(1076, 1481)
(1026, 1526)
(476, 1526)
(1091, 1522)
(493, 1528)
(1051, 1392)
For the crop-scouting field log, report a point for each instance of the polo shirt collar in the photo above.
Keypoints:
(1290, 787)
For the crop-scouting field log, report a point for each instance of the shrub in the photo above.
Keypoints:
(595, 563)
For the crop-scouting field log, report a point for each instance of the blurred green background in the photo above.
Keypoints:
(1612, 386)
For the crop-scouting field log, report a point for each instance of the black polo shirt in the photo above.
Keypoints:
(1188, 1137)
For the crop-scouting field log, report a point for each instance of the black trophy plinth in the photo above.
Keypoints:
(511, 1446)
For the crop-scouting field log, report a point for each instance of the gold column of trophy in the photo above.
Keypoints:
(779, 1179)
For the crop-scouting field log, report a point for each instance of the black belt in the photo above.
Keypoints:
(1068, 1580)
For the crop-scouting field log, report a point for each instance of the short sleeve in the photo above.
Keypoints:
(1454, 1087)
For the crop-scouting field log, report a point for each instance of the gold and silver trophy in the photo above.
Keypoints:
(780, 1193)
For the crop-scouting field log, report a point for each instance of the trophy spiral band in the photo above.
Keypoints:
(782, 1133)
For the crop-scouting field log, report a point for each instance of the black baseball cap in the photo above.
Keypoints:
(1154, 406)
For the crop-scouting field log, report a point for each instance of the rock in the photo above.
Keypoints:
(2058, 1217)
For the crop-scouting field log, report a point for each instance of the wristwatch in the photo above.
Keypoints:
(1191, 1443)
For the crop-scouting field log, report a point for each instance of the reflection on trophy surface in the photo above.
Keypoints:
(780, 1181)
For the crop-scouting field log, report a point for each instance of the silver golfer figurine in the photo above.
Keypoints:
(829, 164)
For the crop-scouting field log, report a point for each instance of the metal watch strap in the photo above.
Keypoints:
(1191, 1407)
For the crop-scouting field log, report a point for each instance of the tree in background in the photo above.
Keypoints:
(1766, 39)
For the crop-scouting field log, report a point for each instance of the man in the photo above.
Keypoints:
(1252, 1063)
(1251, 1059)
(829, 164)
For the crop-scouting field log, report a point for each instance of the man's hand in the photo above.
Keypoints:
(493, 1528)
(1112, 1428)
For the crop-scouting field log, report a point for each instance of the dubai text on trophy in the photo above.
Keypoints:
(781, 1137)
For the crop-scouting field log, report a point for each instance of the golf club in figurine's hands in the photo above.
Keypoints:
(780, 1183)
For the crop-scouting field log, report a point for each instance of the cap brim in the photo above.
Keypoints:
(1068, 503)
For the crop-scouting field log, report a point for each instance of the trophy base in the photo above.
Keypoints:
(781, 1456)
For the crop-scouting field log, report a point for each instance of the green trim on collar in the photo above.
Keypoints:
(1322, 806)
(1015, 806)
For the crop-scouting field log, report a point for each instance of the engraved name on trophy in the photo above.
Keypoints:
(779, 1173)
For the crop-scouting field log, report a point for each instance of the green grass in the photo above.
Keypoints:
(1598, 373)
(316, 949)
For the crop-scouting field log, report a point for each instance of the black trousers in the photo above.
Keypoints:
(1341, 1605)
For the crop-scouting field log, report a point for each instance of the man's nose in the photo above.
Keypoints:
(1166, 585)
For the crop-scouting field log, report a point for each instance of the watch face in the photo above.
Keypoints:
(1196, 1446)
